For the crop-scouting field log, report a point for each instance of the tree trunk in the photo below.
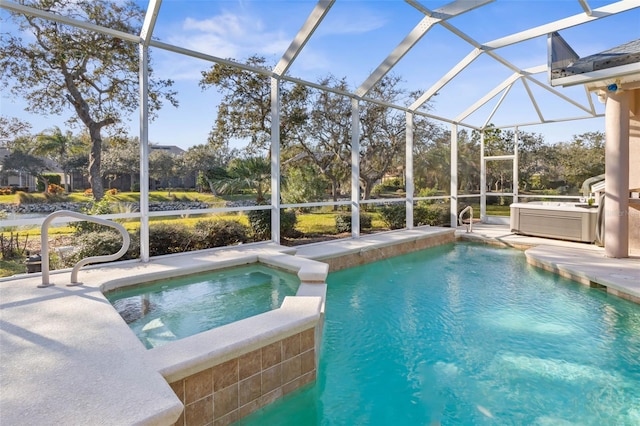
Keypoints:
(95, 161)
(334, 193)
(212, 185)
(367, 186)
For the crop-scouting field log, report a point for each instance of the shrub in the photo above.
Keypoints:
(427, 192)
(377, 189)
(8, 190)
(260, 223)
(394, 215)
(55, 189)
(343, 222)
(219, 233)
(26, 198)
(390, 185)
(93, 209)
(167, 238)
(11, 247)
(51, 178)
(101, 243)
(303, 185)
(432, 214)
(50, 197)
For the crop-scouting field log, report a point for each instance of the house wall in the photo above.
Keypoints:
(634, 172)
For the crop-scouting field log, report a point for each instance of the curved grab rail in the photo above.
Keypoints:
(460, 222)
(44, 245)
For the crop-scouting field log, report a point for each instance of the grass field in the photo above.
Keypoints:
(125, 197)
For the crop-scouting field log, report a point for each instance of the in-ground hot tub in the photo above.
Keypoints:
(565, 221)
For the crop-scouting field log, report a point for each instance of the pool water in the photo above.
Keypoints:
(467, 334)
(172, 309)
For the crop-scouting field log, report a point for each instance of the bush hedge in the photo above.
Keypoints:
(102, 243)
(343, 222)
(260, 223)
(394, 215)
(164, 238)
(167, 238)
(219, 233)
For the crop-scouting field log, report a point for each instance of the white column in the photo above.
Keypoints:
(483, 181)
(145, 34)
(454, 176)
(409, 184)
(616, 207)
(516, 166)
(144, 154)
(275, 160)
(355, 168)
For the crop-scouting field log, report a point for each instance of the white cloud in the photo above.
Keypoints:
(358, 21)
(231, 35)
(242, 33)
(225, 24)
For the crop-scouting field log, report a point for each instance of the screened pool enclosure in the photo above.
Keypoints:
(434, 75)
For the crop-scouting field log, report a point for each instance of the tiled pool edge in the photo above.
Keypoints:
(366, 249)
(229, 372)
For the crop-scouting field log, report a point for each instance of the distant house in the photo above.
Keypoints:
(182, 181)
(78, 180)
(10, 178)
(171, 149)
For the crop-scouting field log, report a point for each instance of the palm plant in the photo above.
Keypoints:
(253, 173)
(57, 146)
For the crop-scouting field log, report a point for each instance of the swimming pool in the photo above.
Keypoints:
(468, 334)
(175, 308)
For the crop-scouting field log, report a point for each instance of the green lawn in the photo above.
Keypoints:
(127, 197)
(492, 210)
(325, 223)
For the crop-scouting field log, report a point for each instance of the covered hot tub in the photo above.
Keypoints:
(565, 221)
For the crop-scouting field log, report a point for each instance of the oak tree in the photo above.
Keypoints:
(55, 67)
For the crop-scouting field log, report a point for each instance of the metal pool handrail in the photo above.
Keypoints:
(44, 244)
(470, 210)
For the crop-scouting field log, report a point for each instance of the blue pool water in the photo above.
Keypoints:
(468, 335)
(169, 310)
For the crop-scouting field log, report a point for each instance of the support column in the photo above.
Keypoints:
(616, 207)
(355, 168)
(515, 170)
(144, 154)
(483, 181)
(408, 165)
(454, 176)
(275, 160)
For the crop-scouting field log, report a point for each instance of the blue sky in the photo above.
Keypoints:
(352, 41)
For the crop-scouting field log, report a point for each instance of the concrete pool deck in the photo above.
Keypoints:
(67, 357)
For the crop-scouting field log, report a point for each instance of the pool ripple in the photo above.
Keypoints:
(468, 335)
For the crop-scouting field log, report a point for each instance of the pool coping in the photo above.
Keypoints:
(618, 277)
(581, 262)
